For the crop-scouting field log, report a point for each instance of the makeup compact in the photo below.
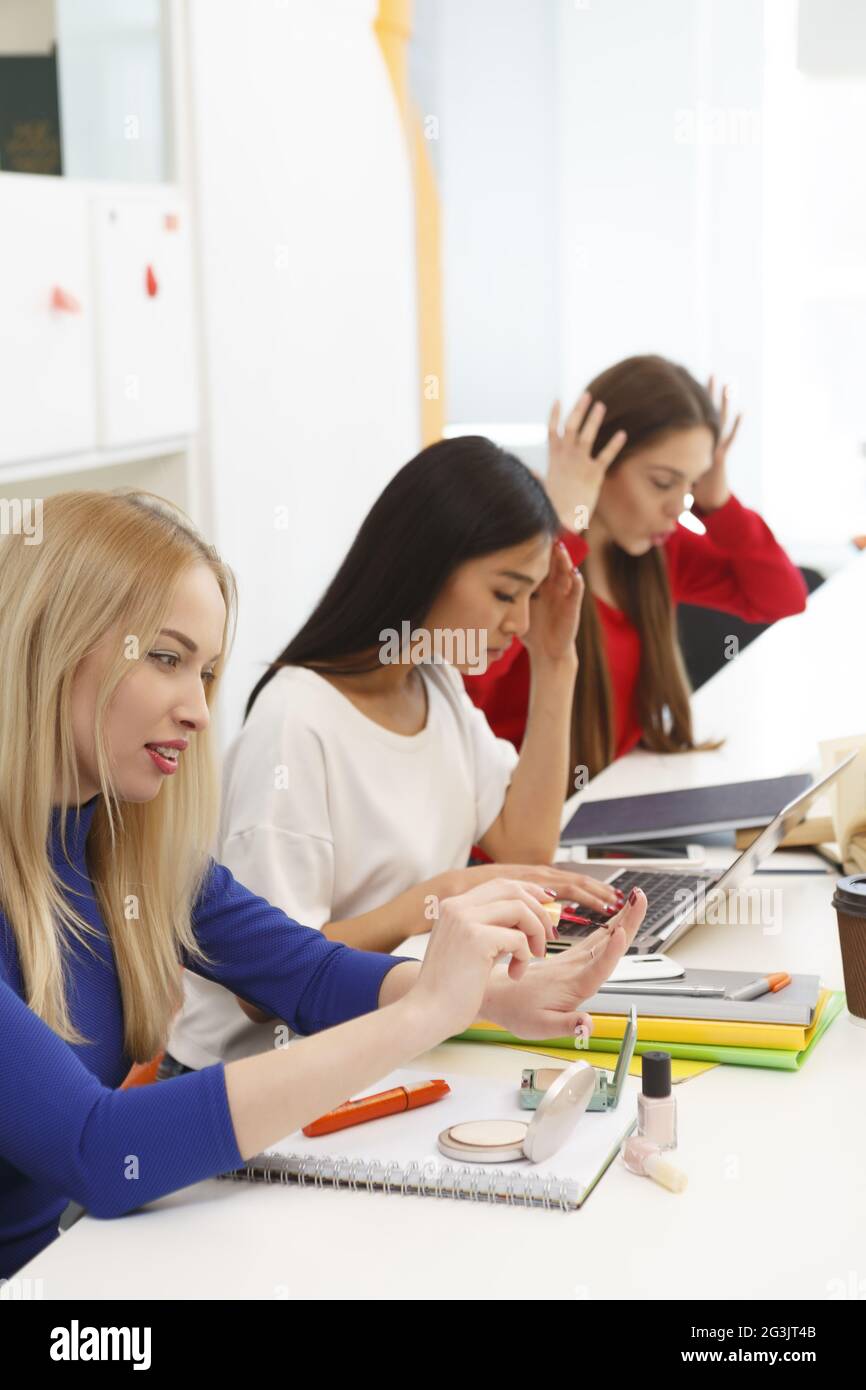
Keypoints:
(535, 1082)
(504, 1141)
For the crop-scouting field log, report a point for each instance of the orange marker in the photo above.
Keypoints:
(766, 985)
(355, 1112)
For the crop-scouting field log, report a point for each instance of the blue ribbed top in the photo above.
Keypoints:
(67, 1132)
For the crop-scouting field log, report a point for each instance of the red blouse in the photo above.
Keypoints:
(737, 567)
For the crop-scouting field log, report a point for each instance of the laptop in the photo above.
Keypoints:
(678, 814)
(674, 896)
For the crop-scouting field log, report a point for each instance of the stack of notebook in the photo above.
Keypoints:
(776, 1030)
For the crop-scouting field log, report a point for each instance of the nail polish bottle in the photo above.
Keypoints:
(656, 1106)
(644, 1157)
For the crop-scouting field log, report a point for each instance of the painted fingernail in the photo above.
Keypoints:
(551, 892)
(609, 907)
(632, 897)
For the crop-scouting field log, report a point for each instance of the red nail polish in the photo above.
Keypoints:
(632, 897)
(551, 892)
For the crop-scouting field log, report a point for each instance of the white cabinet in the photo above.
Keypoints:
(96, 319)
(145, 347)
(47, 404)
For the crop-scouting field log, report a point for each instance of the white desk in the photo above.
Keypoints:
(801, 681)
(776, 1202)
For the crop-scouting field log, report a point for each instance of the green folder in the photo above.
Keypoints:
(776, 1058)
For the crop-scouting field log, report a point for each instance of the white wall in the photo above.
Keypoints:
(309, 321)
(659, 194)
(493, 92)
(685, 177)
(815, 284)
(601, 174)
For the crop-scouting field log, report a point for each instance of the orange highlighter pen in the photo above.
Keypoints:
(355, 1112)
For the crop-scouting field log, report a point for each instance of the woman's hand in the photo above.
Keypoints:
(567, 885)
(711, 490)
(556, 613)
(473, 931)
(574, 477)
(545, 1002)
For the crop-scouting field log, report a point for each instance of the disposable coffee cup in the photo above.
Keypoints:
(849, 901)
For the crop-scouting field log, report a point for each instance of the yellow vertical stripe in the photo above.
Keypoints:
(393, 26)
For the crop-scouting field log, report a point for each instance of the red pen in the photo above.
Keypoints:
(356, 1112)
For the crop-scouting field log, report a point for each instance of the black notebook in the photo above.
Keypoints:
(691, 811)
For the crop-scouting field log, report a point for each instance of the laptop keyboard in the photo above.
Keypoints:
(664, 894)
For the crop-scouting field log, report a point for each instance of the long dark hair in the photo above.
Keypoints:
(649, 397)
(455, 501)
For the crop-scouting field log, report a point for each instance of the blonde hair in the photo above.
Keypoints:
(107, 561)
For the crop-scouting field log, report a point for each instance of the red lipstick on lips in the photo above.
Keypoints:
(166, 765)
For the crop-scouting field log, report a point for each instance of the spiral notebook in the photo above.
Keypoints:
(398, 1154)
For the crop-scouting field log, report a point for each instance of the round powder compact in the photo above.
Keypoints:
(504, 1141)
(485, 1141)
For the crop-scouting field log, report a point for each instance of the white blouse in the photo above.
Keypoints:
(328, 815)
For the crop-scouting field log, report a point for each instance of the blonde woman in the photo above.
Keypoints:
(113, 633)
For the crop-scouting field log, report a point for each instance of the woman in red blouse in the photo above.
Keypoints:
(618, 476)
